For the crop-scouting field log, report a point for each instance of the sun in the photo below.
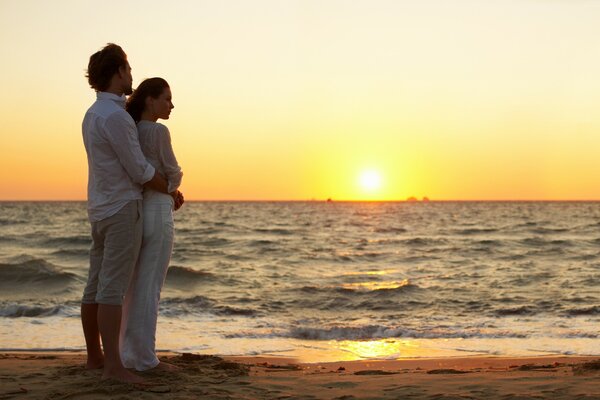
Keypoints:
(370, 180)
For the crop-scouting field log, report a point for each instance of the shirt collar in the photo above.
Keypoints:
(110, 96)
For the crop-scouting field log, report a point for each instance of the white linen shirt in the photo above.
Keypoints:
(155, 140)
(117, 168)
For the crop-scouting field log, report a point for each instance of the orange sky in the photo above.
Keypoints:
(294, 100)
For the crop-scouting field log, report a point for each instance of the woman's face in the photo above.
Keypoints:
(161, 106)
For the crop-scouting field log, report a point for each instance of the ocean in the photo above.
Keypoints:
(329, 281)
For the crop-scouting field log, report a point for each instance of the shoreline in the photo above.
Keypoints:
(51, 374)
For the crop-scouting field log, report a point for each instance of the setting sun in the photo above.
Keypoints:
(370, 180)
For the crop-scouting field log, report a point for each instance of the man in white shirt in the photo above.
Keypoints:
(117, 172)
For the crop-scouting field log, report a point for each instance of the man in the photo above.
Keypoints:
(117, 171)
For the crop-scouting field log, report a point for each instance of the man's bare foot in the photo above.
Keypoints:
(165, 366)
(122, 375)
(95, 363)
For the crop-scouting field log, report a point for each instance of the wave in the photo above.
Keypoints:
(474, 231)
(76, 240)
(261, 243)
(421, 241)
(390, 230)
(275, 231)
(198, 231)
(489, 242)
(36, 310)
(585, 257)
(525, 280)
(15, 221)
(538, 241)
(177, 306)
(71, 253)
(523, 310)
(212, 242)
(342, 299)
(196, 301)
(183, 276)
(577, 312)
(533, 241)
(369, 332)
(549, 231)
(33, 271)
(362, 289)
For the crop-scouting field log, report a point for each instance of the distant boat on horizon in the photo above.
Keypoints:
(413, 199)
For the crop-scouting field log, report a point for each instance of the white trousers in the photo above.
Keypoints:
(140, 308)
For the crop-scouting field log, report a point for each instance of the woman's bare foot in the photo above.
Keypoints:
(165, 366)
(122, 375)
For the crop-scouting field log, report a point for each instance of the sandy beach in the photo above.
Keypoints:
(62, 376)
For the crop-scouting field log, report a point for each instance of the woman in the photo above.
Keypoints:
(151, 101)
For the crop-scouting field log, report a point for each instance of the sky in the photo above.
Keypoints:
(301, 100)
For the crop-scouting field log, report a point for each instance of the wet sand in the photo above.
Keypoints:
(62, 376)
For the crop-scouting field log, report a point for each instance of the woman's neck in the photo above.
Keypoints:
(148, 116)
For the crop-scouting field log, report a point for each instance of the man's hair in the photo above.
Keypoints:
(103, 65)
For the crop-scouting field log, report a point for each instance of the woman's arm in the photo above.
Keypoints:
(167, 158)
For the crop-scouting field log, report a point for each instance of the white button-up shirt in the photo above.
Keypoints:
(117, 168)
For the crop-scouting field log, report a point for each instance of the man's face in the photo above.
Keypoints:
(127, 79)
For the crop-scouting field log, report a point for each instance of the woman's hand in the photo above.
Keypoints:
(178, 197)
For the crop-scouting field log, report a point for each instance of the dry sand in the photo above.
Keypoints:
(62, 376)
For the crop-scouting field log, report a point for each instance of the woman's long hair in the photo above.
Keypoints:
(151, 87)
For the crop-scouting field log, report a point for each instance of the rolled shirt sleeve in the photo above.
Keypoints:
(122, 135)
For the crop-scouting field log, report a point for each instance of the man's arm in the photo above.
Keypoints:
(160, 184)
(121, 133)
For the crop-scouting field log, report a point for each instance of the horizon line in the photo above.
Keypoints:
(330, 200)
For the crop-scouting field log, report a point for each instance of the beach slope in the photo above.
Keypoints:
(62, 376)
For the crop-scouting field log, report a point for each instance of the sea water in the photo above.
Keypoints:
(329, 280)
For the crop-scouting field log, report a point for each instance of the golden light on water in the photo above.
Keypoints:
(381, 349)
(376, 285)
(377, 272)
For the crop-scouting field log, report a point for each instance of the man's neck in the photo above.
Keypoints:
(118, 92)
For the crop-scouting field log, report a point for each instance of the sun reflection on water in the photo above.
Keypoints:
(378, 272)
(380, 349)
(376, 285)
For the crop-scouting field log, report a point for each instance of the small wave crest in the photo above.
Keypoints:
(184, 276)
(475, 231)
(75, 240)
(177, 306)
(382, 332)
(12, 221)
(538, 241)
(523, 310)
(33, 271)
(423, 241)
(214, 241)
(36, 310)
(71, 253)
(586, 311)
(390, 229)
(275, 231)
